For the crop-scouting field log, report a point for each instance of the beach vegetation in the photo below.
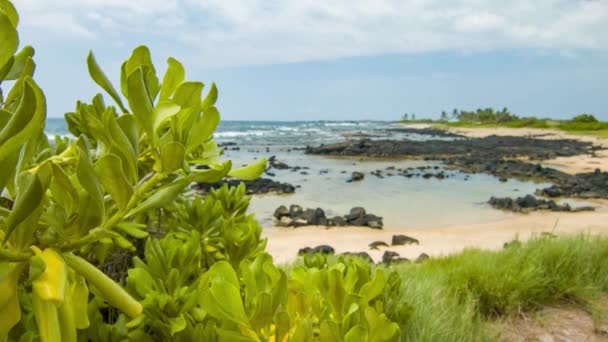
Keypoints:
(584, 124)
(457, 297)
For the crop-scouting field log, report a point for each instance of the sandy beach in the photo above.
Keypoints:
(283, 243)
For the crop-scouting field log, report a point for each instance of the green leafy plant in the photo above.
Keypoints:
(257, 301)
(68, 204)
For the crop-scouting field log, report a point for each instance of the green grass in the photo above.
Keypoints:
(599, 129)
(454, 297)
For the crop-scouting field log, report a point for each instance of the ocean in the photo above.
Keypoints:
(283, 133)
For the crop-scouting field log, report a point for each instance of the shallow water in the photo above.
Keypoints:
(402, 202)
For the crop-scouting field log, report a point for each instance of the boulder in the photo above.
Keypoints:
(355, 213)
(389, 256)
(323, 249)
(295, 210)
(376, 244)
(310, 216)
(357, 176)
(399, 240)
(422, 257)
(339, 221)
(281, 212)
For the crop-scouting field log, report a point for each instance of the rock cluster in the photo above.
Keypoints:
(492, 147)
(296, 216)
(582, 185)
(530, 203)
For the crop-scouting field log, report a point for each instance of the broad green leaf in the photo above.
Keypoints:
(172, 156)
(89, 181)
(140, 102)
(174, 76)
(188, 94)
(9, 10)
(356, 334)
(222, 297)
(135, 230)
(99, 106)
(336, 293)
(163, 111)
(249, 172)
(203, 129)
(177, 324)
(211, 97)
(129, 128)
(19, 63)
(212, 175)
(374, 287)
(28, 121)
(30, 192)
(28, 68)
(123, 147)
(9, 39)
(124, 84)
(4, 70)
(102, 80)
(381, 329)
(140, 58)
(110, 172)
(161, 197)
(6, 173)
(63, 190)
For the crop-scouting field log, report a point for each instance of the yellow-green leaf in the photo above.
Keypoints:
(110, 172)
(174, 76)
(9, 39)
(172, 156)
(102, 80)
(249, 172)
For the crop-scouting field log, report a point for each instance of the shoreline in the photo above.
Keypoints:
(284, 243)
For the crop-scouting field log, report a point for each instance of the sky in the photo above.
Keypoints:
(339, 59)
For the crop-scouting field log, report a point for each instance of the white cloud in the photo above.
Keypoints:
(236, 32)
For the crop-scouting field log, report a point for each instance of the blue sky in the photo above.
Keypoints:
(341, 59)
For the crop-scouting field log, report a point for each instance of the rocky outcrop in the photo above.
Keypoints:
(295, 216)
(376, 244)
(530, 203)
(399, 240)
(356, 176)
(582, 185)
(492, 147)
